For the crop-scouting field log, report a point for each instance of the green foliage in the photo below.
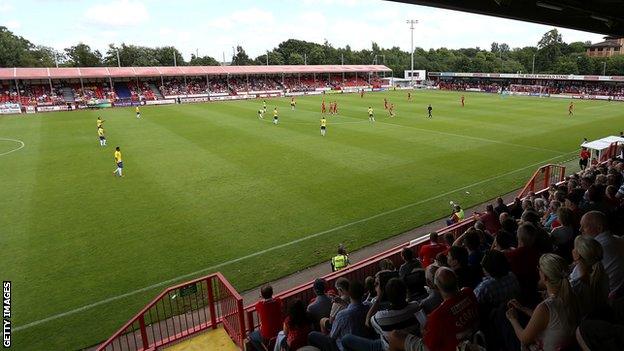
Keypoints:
(203, 61)
(551, 55)
(81, 55)
(241, 58)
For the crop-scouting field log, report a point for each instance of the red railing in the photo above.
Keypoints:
(181, 311)
(542, 179)
(609, 153)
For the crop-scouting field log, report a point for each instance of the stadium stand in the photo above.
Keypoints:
(563, 237)
(123, 85)
(588, 87)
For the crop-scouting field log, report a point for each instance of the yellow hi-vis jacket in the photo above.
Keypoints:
(339, 262)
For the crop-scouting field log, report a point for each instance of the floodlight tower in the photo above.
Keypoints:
(412, 23)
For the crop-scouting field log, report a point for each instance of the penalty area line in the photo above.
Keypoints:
(16, 149)
(264, 251)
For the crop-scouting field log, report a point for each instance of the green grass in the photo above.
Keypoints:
(208, 183)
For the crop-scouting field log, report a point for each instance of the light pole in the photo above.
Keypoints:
(412, 23)
(533, 68)
(604, 68)
(118, 60)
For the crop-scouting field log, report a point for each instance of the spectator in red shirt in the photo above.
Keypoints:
(490, 220)
(297, 326)
(428, 252)
(269, 311)
(583, 158)
(454, 320)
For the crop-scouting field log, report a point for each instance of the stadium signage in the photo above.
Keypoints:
(6, 109)
(160, 102)
(528, 76)
(188, 96)
(52, 108)
(195, 99)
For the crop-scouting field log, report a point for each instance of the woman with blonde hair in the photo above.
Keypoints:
(552, 323)
(589, 280)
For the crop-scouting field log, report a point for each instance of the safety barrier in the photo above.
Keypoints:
(181, 311)
(542, 179)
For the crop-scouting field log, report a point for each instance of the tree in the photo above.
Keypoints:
(203, 61)
(81, 55)
(15, 50)
(295, 59)
(164, 56)
(241, 58)
(45, 56)
(550, 38)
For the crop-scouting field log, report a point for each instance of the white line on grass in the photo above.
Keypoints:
(475, 138)
(262, 252)
(14, 140)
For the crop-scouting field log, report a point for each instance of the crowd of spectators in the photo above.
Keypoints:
(459, 84)
(533, 86)
(544, 273)
(89, 91)
(31, 94)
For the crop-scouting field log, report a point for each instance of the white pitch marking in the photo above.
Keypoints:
(14, 140)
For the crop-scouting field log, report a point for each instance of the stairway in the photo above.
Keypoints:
(122, 90)
(68, 94)
(156, 91)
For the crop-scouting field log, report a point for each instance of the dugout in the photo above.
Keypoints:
(604, 148)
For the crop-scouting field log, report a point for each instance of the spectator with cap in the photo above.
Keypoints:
(321, 306)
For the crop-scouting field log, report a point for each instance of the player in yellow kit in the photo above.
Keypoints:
(323, 126)
(275, 116)
(138, 112)
(371, 117)
(118, 162)
(101, 136)
(99, 122)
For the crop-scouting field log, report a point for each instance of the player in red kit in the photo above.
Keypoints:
(571, 109)
(385, 103)
(391, 110)
(462, 100)
(323, 110)
(336, 107)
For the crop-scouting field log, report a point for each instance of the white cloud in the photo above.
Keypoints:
(119, 13)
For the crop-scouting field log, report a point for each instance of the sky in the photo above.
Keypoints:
(213, 27)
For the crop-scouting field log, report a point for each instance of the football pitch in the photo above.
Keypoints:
(210, 187)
